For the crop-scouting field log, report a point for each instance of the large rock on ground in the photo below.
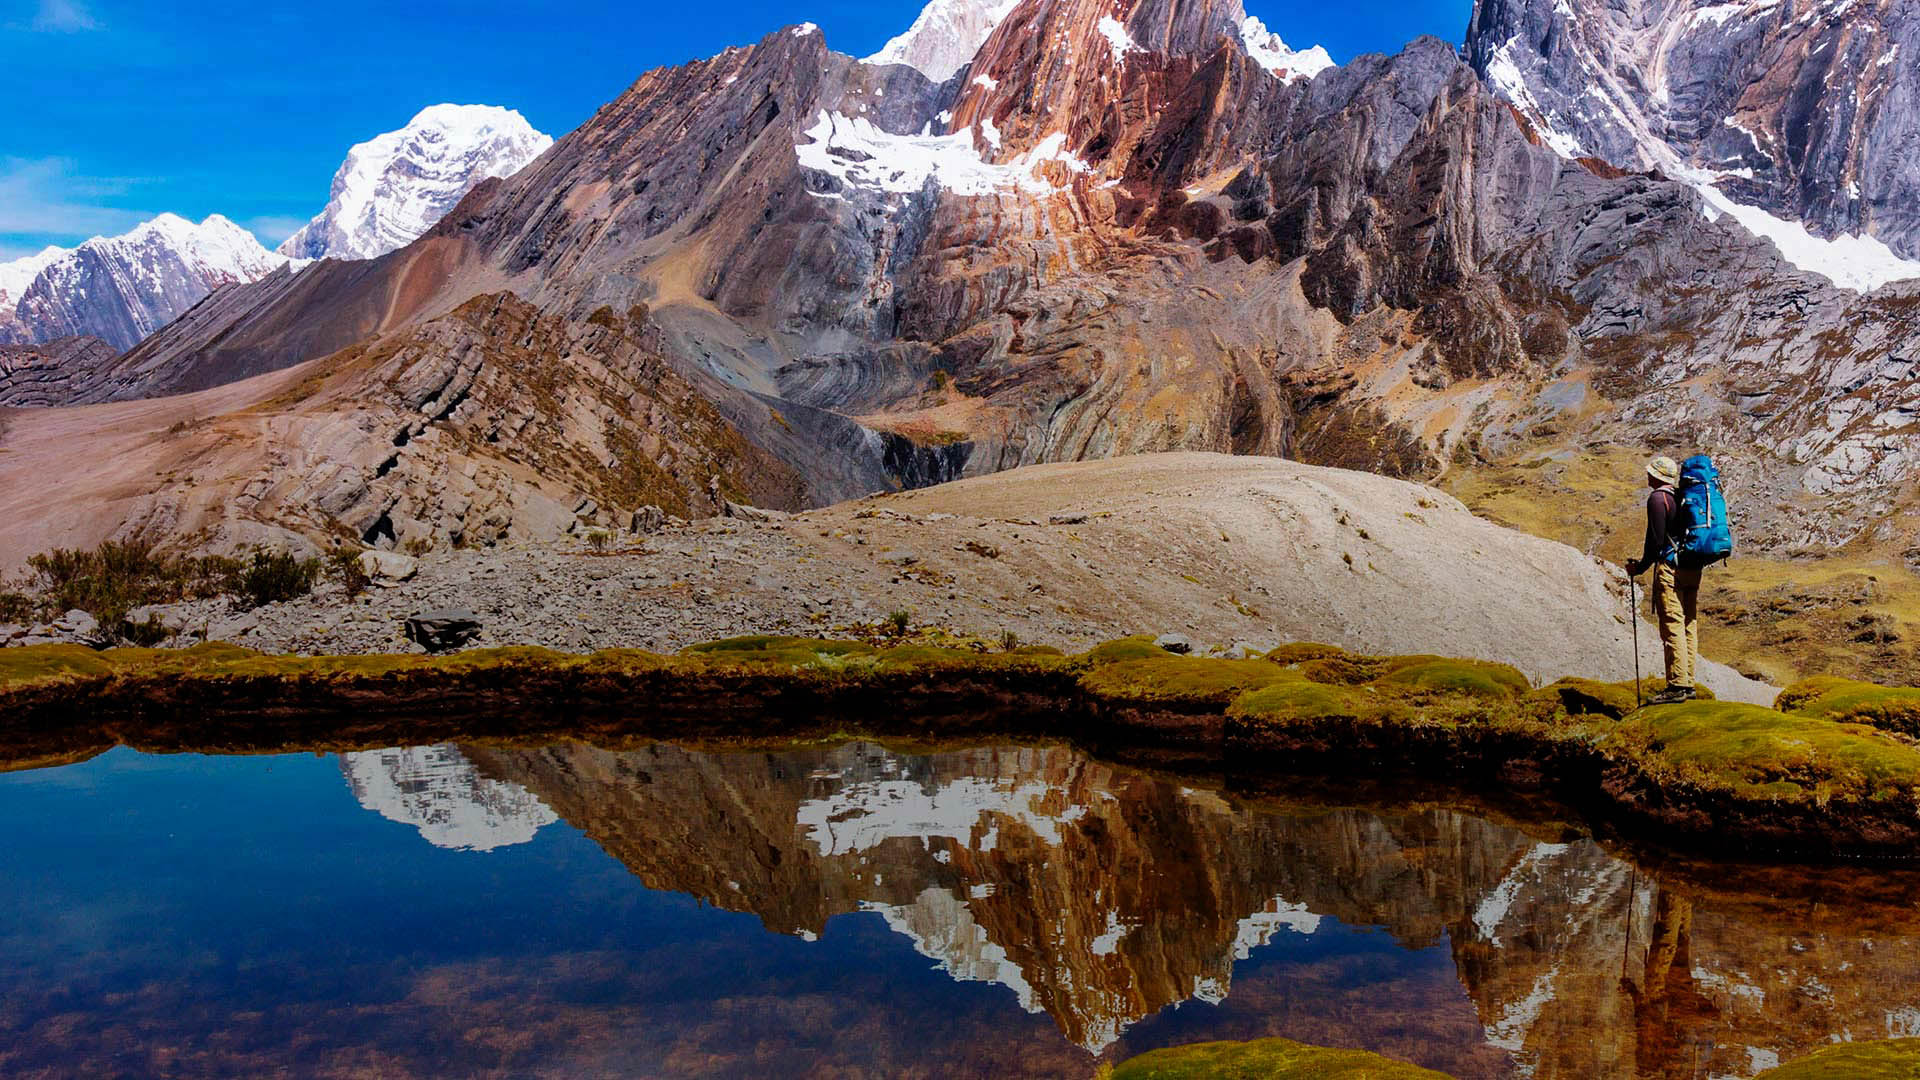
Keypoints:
(443, 629)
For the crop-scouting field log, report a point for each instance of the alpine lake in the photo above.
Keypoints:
(853, 909)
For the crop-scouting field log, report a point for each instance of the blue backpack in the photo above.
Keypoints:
(1703, 535)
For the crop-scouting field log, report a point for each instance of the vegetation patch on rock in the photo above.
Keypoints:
(1267, 1059)
(1894, 1059)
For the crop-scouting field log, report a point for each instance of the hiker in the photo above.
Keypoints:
(1685, 534)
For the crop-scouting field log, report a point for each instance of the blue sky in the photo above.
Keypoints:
(122, 109)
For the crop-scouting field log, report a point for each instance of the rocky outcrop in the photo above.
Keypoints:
(56, 373)
(490, 424)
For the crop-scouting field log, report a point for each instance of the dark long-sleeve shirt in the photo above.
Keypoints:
(1663, 508)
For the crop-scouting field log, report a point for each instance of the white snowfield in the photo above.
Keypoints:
(862, 155)
(394, 187)
(1860, 263)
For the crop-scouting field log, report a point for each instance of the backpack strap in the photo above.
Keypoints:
(1670, 555)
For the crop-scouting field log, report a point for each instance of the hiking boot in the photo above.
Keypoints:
(1672, 695)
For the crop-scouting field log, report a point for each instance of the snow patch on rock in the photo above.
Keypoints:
(1512, 84)
(968, 812)
(1859, 263)
(862, 155)
(1117, 37)
(1259, 928)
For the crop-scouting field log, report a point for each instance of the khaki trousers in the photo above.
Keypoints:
(1676, 609)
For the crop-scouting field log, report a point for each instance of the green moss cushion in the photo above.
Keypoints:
(1192, 679)
(1267, 1059)
(1757, 753)
(1472, 678)
(1892, 708)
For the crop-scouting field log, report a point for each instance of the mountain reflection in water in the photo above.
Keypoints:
(1100, 896)
(856, 910)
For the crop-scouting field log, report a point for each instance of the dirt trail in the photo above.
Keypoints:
(1222, 549)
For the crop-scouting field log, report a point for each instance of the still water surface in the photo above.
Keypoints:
(856, 911)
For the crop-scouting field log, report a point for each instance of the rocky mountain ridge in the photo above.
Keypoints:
(1121, 230)
(54, 373)
(1790, 115)
(389, 191)
(122, 288)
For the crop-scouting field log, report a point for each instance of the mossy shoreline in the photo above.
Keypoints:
(1284, 1059)
(1836, 776)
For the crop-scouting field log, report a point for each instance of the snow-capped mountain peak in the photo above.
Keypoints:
(395, 186)
(15, 276)
(122, 288)
(945, 37)
(1271, 53)
(216, 247)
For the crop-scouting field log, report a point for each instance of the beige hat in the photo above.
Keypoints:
(1664, 470)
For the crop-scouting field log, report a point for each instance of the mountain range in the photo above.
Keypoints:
(389, 190)
(1112, 228)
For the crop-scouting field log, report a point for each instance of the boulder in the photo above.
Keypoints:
(648, 520)
(166, 616)
(444, 629)
(76, 622)
(1175, 643)
(750, 513)
(1246, 650)
(388, 568)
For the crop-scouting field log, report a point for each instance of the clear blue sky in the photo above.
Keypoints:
(120, 109)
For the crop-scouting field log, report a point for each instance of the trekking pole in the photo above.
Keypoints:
(1633, 616)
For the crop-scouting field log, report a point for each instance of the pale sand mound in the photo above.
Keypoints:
(1349, 558)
